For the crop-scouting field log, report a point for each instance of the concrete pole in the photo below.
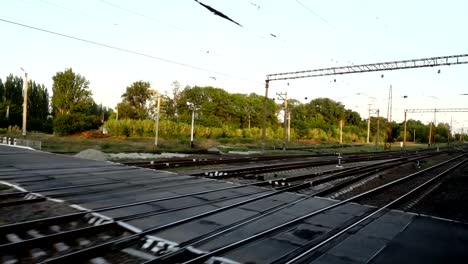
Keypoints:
(368, 125)
(414, 135)
(404, 133)
(289, 126)
(341, 131)
(25, 102)
(285, 120)
(430, 133)
(191, 130)
(265, 112)
(435, 126)
(157, 120)
(377, 137)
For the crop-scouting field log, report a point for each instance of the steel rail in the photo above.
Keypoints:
(276, 167)
(184, 246)
(64, 175)
(377, 211)
(58, 219)
(370, 168)
(40, 241)
(125, 189)
(297, 220)
(12, 194)
(236, 172)
(222, 160)
(120, 243)
(129, 240)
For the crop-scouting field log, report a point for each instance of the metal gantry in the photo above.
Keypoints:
(430, 110)
(373, 67)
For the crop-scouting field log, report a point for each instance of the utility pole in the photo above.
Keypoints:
(430, 129)
(265, 112)
(284, 97)
(389, 120)
(289, 126)
(191, 130)
(193, 108)
(377, 139)
(368, 124)
(430, 133)
(341, 131)
(157, 120)
(25, 101)
(404, 133)
(448, 132)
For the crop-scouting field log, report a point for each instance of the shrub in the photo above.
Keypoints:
(74, 123)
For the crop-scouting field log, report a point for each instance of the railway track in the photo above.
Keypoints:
(220, 160)
(306, 252)
(89, 236)
(140, 242)
(252, 171)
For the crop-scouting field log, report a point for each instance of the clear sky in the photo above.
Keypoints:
(187, 43)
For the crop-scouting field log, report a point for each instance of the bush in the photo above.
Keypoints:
(171, 129)
(74, 123)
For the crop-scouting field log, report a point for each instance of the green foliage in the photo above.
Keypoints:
(71, 93)
(11, 101)
(217, 108)
(136, 101)
(72, 104)
(74, 123)
(170, 129)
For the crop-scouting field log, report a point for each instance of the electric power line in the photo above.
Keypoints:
(125, 50)
(76, 11)
(317, 15)
(141, 15)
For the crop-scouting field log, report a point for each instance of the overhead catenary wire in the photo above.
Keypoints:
(140, 14)
(77, 12)
(127, 50)
(317, 15)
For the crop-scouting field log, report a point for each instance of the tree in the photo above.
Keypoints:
(11, 107)
(71, 103)
(38, 107)
(2, 91)
(71, 93)
(136, 101)
(170, 101)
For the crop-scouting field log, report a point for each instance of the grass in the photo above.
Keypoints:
(109, 144)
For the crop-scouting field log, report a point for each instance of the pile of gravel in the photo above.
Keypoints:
(92, 154)
(143, 156)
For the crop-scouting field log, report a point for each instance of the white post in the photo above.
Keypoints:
(157, 121)
(341, 131)
(25, 101)
(285, 120)
(191, 130)
(368, 125)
